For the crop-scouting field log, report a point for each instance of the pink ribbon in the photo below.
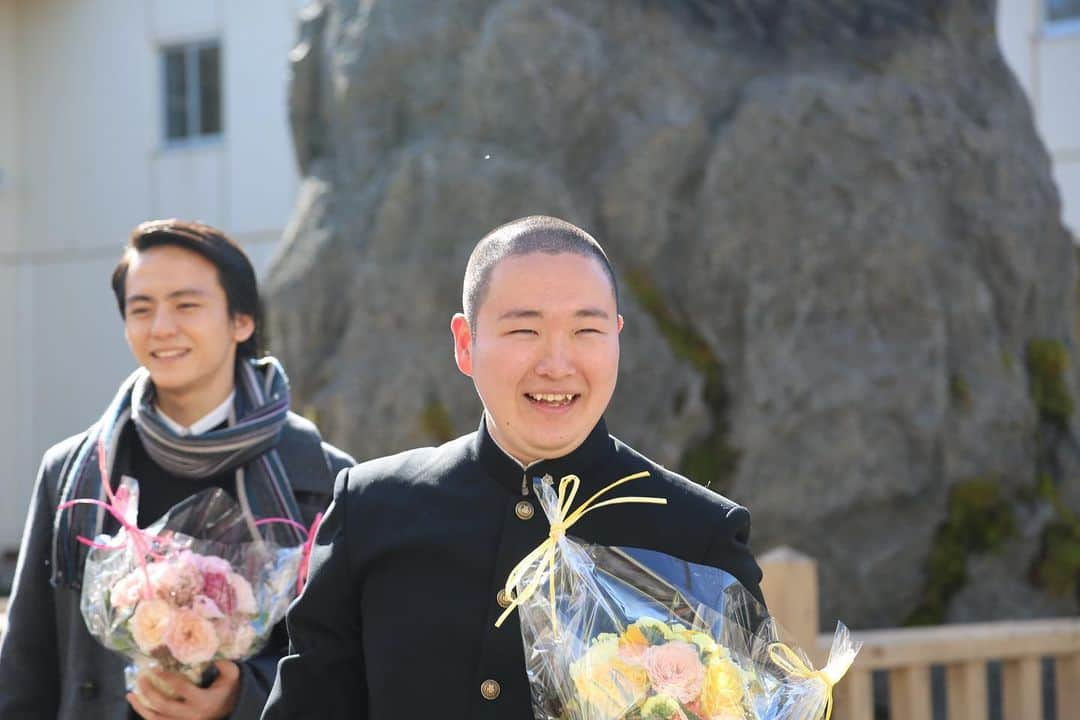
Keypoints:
(117, 506)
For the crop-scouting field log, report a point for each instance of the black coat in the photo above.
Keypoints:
(51, 667)
(397, 619)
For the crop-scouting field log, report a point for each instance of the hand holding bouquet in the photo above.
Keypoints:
(198, 585)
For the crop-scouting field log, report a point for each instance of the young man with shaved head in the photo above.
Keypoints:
(397, 620)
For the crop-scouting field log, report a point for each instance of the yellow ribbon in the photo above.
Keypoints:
(564, 520)
(790, 662)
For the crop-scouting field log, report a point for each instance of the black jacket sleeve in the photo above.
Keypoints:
(29, 662)
(730, 550)
(257, 673)
(323, 674)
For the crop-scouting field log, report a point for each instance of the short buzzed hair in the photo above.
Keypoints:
(524, 236)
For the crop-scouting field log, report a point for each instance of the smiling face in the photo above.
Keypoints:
(177, 323)
(544, 354)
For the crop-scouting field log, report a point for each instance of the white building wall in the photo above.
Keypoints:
(1046, 60)
(12, 417)
(83, 162)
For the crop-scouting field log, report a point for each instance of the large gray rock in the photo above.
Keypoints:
(835, 226)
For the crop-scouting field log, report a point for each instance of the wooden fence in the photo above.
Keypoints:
(907, 655)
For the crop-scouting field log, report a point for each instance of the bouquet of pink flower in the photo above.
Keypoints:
(200, 584)
(615, 633)
(186, 609)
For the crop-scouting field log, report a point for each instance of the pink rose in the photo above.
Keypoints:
(127, 591)
(216, 587)
(175, 581)
(149, 624)
(238, 644)
(191, 638)
(245, 598)
(207, 608)
(208, 563)
(675, 669)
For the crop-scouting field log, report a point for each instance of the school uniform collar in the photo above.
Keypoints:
(585, 461)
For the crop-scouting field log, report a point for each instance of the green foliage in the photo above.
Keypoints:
(436, 423)
(1047, 363)
(1045, 488)
(682, 338)
(654, 635)
(979, 519)
(959, 391)
(1058, 567)
(712, 461)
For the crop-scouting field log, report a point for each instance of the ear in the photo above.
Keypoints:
(620, 324)
(459, 328)
(243, 327)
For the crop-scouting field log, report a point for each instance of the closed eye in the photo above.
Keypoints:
(522, 331)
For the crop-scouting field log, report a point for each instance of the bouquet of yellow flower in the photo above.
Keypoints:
(630, 634)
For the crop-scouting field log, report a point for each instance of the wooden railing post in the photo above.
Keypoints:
(790, 586)
(1067, 685)
(1021, 689)
(966, 692)
(855, 696)
(909, 693)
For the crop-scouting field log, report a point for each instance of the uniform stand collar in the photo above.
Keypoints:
(584, 461)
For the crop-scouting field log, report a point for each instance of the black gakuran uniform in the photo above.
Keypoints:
(398, 616)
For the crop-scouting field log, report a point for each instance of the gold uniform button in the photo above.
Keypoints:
(490, 689)
(503, 599)
(524, 510)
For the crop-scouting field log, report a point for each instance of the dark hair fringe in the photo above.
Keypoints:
(234, 269)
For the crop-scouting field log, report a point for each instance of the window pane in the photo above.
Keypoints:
(176, 124)
(210, 90)
(1062, 10)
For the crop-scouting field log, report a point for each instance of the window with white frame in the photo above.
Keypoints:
(191, 85)
(1062, 11)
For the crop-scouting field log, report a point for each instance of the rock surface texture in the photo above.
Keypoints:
(837, 237)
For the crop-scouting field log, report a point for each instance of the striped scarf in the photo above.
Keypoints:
(247, 446)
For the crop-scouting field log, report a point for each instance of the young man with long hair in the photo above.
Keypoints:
(203, 410)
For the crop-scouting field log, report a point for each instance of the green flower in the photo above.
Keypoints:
(660, 707)
(655, 632)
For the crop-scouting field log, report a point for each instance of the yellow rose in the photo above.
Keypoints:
(706, 644)
(633, 644)
(723, 691)
(610, 685)
(634, 636)
(679, 632)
